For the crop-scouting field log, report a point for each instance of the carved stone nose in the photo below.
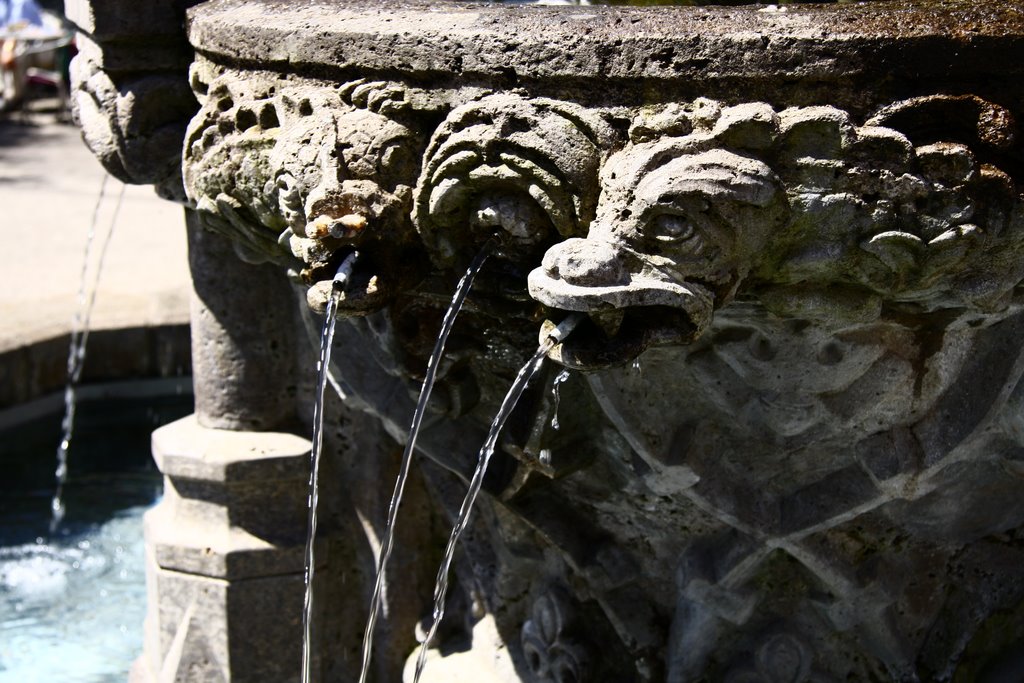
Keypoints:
(586, 263)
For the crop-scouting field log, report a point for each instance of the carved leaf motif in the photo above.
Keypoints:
(552, 656)
(548, 616)
(566, 663)
(535, 649)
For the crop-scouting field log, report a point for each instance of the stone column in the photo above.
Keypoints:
(225, 545)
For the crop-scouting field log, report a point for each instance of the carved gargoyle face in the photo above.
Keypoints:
(523, 171)
(356, 194)
(675, 234)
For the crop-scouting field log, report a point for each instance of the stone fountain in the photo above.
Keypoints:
(790, 447)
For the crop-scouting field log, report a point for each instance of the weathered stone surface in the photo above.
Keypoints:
(32, 371)
(233, 505)
(225, 547)
(129, 87)
(211, 630)
(131, 125)
(106, 19)
(242, 318)
(790, 450)
(167, 55)
(841, 264)
(802, 54)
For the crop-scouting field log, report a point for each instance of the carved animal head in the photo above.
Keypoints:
(354, 191)
(677, 230)
(301, 177)
(799, 210)
(524, 170)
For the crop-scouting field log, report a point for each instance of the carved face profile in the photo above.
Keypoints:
(676, 231)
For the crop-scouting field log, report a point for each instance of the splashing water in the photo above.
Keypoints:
(76, 349)
(511, 398)
(338, 287)
(559, 380)
(71, 605)
(461, 291)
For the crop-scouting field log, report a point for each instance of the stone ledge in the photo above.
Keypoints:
(38, 368)
(234, 501)
(230, 553)
(622, 52)
(186, 450)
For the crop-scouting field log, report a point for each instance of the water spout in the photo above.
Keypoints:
(76, 349)
(410, 445)
(559, 379)
(338, 285)
(548, 340)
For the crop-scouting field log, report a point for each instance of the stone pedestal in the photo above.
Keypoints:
(225, 555)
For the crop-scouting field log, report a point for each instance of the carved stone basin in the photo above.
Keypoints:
(790, 445)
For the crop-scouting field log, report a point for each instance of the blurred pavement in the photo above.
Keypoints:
(49, 185)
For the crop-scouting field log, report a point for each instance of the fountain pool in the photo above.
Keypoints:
(72, 603)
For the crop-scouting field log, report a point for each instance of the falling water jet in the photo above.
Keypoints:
(511, 398)
(76, 349)
(410, 445)
(559, 379)
(338, 286)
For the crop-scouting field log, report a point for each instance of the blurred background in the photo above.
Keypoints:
(72, 598)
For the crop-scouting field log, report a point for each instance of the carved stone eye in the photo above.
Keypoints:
(669, 227)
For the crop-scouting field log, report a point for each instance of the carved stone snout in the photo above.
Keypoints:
(631, 303)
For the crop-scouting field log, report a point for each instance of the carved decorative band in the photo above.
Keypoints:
(682, 207)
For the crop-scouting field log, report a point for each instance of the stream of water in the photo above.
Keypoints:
(410, 445)
(559, 379)
(338, 287)
(507, 406)
(76, 349)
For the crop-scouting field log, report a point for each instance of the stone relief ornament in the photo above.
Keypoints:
(789, 441)
(812, 214)
(301, 176)
(551, 652)
(523, 168)
(133, 123)
(816, 282)
(781, 658)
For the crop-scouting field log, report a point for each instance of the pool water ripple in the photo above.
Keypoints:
(72, 605)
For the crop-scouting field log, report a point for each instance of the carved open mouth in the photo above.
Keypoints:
(623, 318)
(616, 337)
(366, 292)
